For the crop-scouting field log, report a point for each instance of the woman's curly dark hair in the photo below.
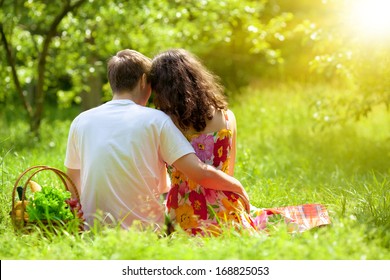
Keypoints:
(184, 89)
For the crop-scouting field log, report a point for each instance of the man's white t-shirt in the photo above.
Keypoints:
(121, 149)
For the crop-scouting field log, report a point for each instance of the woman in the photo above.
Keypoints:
(192, 96)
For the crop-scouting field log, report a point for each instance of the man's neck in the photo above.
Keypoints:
(123, 95)
(128, 96)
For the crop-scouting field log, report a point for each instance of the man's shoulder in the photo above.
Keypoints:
(90, 111)
(155, 112)
(86, 115)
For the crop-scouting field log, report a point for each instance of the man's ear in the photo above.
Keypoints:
(144, 81)
(145, 90)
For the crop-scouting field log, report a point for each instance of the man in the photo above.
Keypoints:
(116, 153)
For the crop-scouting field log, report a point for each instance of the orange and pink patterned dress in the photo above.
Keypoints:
(198, 210)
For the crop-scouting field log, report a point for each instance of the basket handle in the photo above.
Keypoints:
(38, 168)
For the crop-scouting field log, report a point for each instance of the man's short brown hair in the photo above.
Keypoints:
(126, 68)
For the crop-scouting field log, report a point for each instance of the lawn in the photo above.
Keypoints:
(286, 156)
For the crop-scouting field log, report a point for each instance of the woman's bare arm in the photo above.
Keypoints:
(233, 128)
(208, 176)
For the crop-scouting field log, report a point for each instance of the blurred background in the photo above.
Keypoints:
(53, 53)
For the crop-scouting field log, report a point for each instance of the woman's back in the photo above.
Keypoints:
(195, 208)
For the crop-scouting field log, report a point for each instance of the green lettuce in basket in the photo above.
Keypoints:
(50, 204)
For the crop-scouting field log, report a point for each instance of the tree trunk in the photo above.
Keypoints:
(93, 97)
(40, 89)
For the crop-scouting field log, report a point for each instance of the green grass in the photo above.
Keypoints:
(283, 159)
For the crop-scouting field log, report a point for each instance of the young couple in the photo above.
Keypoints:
(118, 154)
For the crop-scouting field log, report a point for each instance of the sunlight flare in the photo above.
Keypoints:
(370, 17)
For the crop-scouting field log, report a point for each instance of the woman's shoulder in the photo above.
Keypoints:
(222, 121)
(229, 115)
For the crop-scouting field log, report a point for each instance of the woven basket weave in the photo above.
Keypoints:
(20, 221)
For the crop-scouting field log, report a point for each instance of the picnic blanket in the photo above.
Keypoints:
(298, 218)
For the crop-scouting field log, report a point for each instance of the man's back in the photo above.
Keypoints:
(120, 148)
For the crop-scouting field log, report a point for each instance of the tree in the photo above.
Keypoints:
(227, 35)
(39, 21)
(55, 54)
(339, 47)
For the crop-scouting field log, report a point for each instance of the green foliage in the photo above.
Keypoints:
(244, 42)
(363, 68)
(49, 204)
(227, 35)
(27, 19)
(339, 47)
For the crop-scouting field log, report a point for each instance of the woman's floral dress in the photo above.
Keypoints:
(199, 210)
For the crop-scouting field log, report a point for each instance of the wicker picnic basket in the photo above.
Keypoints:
(18, 212)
